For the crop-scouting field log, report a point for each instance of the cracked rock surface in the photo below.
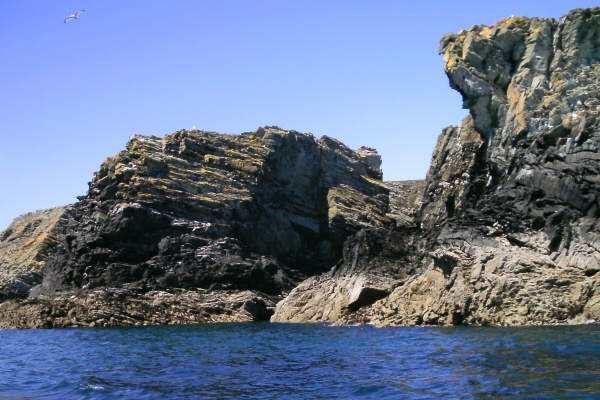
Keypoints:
(509, 230)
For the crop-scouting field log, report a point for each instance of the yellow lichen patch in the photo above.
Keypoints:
(377, 183)
(41, 238)
(487, 31)
(516, 98)
(451, 61)
(513, 22)
(120, 168)
(551, 101)
(534, 31)
(250, 166)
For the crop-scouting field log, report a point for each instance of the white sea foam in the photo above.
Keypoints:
(91, 386)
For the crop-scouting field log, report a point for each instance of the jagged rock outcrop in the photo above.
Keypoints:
(406, 199)
(199, 209)
(510, 224)
(375, 262)
(26, 245)
(194, 210)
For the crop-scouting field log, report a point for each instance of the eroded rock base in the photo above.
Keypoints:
(127, 306)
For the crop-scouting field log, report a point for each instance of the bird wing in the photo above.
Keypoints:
(74, 16)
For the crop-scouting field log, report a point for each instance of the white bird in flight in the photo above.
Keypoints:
(74, 16)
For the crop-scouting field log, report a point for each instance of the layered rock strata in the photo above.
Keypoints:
(510, 224)
(25, 247)
(250, 213)
(406, 200)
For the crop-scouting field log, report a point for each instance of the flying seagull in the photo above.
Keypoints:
(74, 16)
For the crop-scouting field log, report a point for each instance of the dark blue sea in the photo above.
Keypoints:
(299, 361)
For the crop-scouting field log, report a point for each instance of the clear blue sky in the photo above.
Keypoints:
(365, 72)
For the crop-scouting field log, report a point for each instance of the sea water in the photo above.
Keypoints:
(301, 361)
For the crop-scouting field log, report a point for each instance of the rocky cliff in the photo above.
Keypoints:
(200, 227)
(242, 214)
(26, 245)
(509, 229)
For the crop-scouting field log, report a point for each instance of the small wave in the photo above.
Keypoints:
(91, 386)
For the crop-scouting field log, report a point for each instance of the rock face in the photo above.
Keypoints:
(510, 224)
(198, 210)
(375, 262)
(200, 227)
(204, 210)
(26, 245)
(406, 199)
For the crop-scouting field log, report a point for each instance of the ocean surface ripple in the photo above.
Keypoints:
(301, 361)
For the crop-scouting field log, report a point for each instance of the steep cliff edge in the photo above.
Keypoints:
(26, 245)
(510, 224)
(250, 215)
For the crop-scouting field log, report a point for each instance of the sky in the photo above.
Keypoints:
(365, 72)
